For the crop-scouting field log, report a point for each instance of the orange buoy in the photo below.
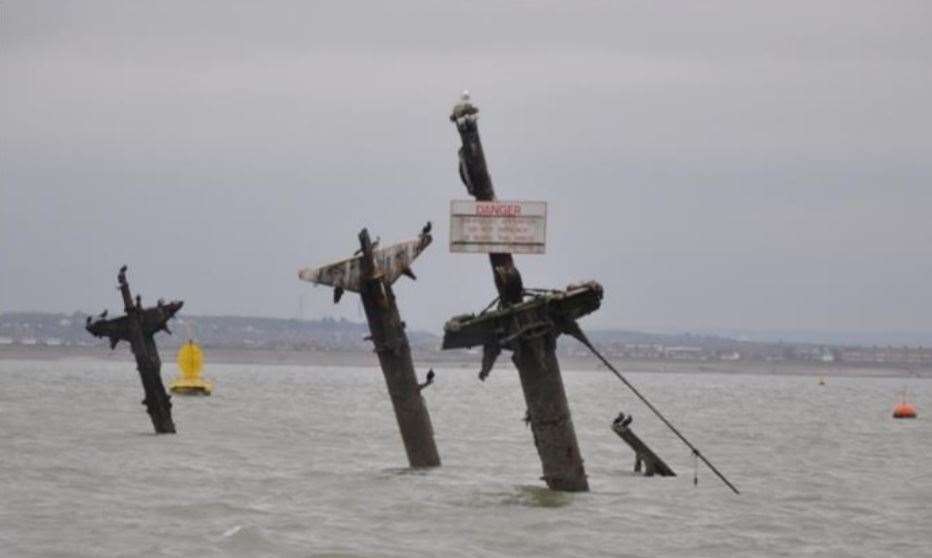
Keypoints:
(904, 410)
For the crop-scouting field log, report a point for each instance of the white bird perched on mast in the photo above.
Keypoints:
(464, 109)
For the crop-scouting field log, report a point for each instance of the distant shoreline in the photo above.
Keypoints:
(460, 359)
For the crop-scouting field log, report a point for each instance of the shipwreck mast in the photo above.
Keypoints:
(371, 275)
(529, 330)
(138, 327)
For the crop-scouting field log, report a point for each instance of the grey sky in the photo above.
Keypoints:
(715, 165)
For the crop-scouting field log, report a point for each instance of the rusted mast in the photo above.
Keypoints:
(534, 355)
(391, 345)
(138, 327)
(371, 274)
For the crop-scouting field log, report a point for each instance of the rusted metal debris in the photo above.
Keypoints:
(138, 328)
(528, 328)
(643, 455)
(371, 274)
(540, 314)
(698, 455)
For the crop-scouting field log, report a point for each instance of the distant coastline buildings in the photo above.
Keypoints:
(40, 330)
(769, 352)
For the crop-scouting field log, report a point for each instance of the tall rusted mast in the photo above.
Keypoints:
(528, 329)
(372, 274)
(138, 327)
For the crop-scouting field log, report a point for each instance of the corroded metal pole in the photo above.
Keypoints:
(371, 274)
(391, 345)
(138, 327)
(534, 355)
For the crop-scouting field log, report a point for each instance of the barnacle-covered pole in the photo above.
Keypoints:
(138, 327)
(528, 329)
(371, 273)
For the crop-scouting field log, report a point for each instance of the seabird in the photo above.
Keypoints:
(430, 380)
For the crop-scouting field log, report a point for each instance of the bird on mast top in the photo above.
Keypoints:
(464, 111)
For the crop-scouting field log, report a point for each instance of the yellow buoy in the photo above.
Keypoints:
(190, 362)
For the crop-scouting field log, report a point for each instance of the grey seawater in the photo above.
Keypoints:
(307, 461)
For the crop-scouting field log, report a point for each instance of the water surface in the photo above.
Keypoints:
(307, 461)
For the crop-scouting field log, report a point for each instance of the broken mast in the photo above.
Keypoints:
(138, 327)
(371, 274)
(526, 324)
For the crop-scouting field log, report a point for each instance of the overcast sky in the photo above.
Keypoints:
(715, 165)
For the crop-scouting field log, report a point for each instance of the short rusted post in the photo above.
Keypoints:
(529, 333)
(138, 327)
(371, 274)
(643, 455)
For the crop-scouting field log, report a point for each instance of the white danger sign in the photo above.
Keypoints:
(515, 227)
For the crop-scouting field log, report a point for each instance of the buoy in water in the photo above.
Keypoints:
(904, 410)
(190, 362)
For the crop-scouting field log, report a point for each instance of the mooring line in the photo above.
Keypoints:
(585, 341)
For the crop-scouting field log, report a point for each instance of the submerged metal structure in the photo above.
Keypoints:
(138, 328)
(643, 455)
(527, 324)
(371, 273)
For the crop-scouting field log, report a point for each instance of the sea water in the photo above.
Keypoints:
(307, 461)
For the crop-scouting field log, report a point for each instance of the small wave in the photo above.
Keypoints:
(210, 509)
(523, 496)
(232, 531)
(405, 471)
(249, 540)
(538, 497)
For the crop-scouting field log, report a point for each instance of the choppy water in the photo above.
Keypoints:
(306, 461)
